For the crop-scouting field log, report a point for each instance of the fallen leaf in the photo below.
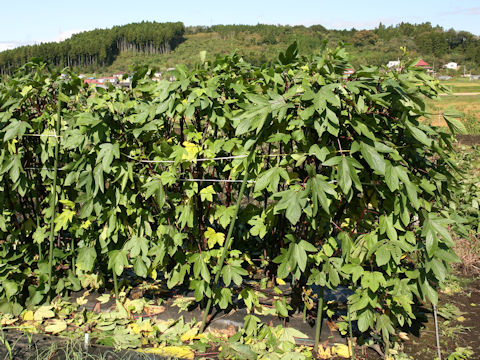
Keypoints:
(153, 309)
(8, 319)
(43, 312)
(183, 352)
(55, 326)
(341, 350)
(96, 308)
(324, 353)
(403, 336)
(189, 335)
(461, 318)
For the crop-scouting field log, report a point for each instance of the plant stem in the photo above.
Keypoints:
(54, 193)
(228, 240)
(72, 245)
(318, 325)
(115, 284)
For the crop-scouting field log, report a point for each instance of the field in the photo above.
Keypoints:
(468, 105)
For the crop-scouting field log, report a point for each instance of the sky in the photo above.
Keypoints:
(32, 21)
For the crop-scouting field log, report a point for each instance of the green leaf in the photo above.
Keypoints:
(451, 117)
(117, 261)
(344, 176)
(11, 288)
(293, 201)
(373, 158)
(382, 255)
(86, 258)
(98, 178)
(319, 188)
(365, 320)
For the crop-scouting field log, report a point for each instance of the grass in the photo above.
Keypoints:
(69, 350)
(468, 105)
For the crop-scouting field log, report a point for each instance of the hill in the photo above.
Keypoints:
(164, 45)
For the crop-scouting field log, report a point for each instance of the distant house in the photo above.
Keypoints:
(91, 81)
(444, 77)
(119, 75)
(111, 79)
(95, 82)
(393, 64)
(423, 64)
(451, 65)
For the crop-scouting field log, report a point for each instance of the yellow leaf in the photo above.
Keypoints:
(43, 312)
(28, 315)
(86, 224)
(55, 326)
(341, 350)
(191, 149)
(280, 281)
(461, 318)
(189, 335)
(213, 237)
(183, 352)
(154, 274)
(135, 328)
(68, 203)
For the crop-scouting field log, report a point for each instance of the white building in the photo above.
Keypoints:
(393, 64)
(451, 65)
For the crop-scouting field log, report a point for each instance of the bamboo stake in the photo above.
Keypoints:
(352, 348)
(54, 193)
(437, 337)
(229, 237)
(318, 325)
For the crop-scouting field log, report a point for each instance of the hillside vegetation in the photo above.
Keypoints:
(166, 44)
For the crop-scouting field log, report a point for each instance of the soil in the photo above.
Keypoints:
(468, 139)
(453, 333)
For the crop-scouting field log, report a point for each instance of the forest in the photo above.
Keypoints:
(99, 47)
(164, 45)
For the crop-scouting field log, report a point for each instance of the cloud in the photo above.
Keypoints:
(6, 45)
(467, 11)
(62, 35)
